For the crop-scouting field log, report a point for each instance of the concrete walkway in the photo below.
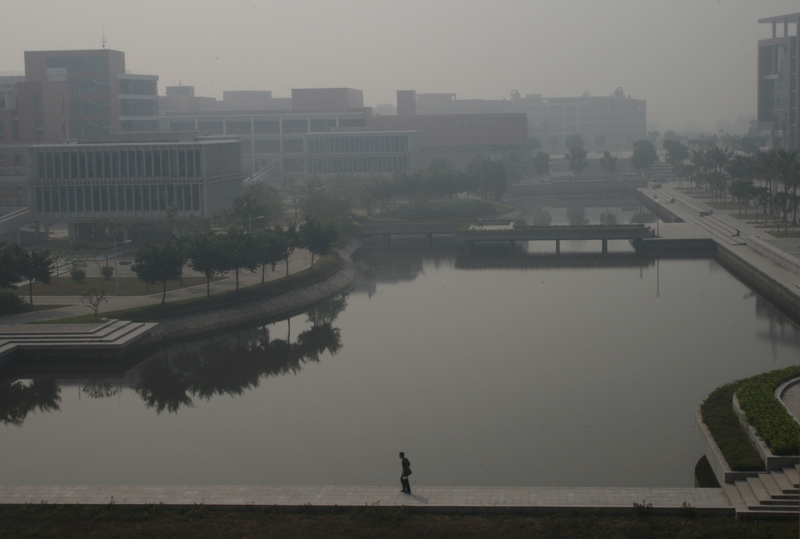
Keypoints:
(544, 499)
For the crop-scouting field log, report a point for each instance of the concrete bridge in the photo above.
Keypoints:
(557, 234)
(471, 234)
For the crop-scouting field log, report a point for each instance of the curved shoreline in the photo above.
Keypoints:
(286, 303)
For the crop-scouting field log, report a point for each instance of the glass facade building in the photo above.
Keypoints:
(135, 181)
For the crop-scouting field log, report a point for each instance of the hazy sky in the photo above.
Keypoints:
(694, 61)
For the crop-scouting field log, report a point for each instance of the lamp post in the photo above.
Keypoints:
(658, 221)
(116, 277)
(250, 220)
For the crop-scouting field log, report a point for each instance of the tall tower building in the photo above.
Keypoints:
(778, 81)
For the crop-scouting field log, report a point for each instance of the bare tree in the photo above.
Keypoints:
(92, 297)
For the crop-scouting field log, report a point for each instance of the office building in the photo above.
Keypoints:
(778, 81)
(134, 178)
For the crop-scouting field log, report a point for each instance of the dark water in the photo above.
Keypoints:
(486, 369)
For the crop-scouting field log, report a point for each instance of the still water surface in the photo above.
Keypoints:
(486, 369)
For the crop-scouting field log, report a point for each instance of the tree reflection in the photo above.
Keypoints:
(18, 399)
(162, 388)
(235, 363)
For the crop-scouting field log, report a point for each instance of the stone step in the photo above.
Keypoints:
(767, 513)
(775, 491)
(783, 482)
(751, 501)
(793, 476)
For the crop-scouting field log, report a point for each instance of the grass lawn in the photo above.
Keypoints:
(128, 286)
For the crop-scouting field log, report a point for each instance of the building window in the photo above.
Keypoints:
(39, 130)
(37, 103)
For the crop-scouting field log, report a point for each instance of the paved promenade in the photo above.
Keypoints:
(545, 499)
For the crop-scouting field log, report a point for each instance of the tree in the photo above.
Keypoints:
(207, 255)
(676, 152)
(160, 264)
(533, 145)
(269, 248)
(35, 265)
(541, 163)
(608, 162)
(644, 155)
(10, 270)
(92, 297)
(316, 237)
(576, 158)
(599, 140)
(257, 200)
(239, 252)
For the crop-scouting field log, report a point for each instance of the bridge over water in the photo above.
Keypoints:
(471, 234)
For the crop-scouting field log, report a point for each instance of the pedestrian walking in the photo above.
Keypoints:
(405, 473)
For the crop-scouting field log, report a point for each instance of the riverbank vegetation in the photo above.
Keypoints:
(767, 414)
(764, 412)
(722, 422)
(67, 521)
(323, 268)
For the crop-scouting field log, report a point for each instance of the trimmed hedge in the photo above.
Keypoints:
(766, 414)
(721, 420)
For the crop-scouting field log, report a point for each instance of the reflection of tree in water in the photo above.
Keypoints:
(577, 216)
(18, 399)
(235, 363)
(161, 388)
(608, 219)
(327, 310)
(98, 389)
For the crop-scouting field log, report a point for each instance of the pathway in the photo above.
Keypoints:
(544, 499)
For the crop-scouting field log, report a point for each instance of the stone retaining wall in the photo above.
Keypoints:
(283, 304)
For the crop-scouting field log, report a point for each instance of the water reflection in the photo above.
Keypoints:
(173, 377)
(21, 397)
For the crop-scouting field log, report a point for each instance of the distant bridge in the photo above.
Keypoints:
(470, 234)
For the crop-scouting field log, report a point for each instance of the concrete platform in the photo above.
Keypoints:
(541, 499)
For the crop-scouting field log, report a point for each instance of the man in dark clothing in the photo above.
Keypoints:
(406, 472)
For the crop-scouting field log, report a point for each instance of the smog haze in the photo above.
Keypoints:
(693, 61)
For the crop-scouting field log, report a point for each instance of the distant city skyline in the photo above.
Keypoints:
(693, 61)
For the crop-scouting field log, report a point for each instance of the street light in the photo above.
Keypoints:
(116, 277)
(658, 210)
(250, 220)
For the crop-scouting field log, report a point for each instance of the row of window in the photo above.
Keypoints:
(105, 198)
(358, 165)
(78, 163)
(358, 144)
(263, 127)
(88, 86)
(138, 87)
(139, 107)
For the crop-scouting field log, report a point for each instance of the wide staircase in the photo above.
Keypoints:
(773, 494)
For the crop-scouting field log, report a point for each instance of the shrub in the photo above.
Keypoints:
(767, 414)
(107, 272)
(77, 274)
(721, 420)
(11, 303)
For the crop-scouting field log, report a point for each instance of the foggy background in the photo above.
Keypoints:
(694, 61)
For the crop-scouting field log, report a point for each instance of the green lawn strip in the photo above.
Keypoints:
(721, 420)
(119, 520)
(123, 286)
(324, 267)
(766, 414)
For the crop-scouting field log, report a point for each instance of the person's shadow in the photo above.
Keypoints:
(420, 499)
